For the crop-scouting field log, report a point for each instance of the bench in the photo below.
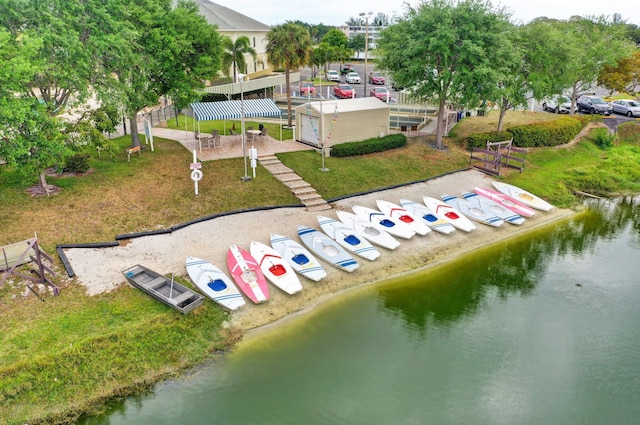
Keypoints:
(131, 150)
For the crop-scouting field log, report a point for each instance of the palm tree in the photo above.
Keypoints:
(234, 54)
(288, 46)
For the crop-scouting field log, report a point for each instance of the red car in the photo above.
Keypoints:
(306, 88)
(343, 91)
(376, 78)
(381, 93)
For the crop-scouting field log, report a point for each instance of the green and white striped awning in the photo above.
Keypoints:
(233, 109)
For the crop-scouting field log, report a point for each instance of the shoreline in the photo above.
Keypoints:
(99, 269)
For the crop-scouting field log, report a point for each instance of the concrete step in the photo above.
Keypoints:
(302, 191)
(298, 184)
(309, 197)
(270, 163)
(318, 207)
(289, 177)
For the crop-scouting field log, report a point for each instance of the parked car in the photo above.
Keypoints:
(593, 105)
(346, 68)
(307, 88)
(376, 78)
(628, 107)
(344, 91)
(381, 93)
(396, 86)
(333, 75)
(353, 78)
(559, 104)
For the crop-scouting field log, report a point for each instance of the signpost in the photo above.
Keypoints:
(196, 173)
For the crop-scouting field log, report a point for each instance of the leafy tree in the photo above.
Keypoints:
(354, 21)
(173, 49)
(624, 77)
(288, 46)
(30, 137)
(324, 54)
(510, 86)
(336, 38)
(380, 20)
(444, 51)
(235, 55)
(357, 44)
(588, 45)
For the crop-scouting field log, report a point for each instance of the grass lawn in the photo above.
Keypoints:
(70, 353)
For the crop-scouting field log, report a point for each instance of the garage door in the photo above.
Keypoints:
(310, 129)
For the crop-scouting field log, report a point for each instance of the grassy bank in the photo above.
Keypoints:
(70, 353)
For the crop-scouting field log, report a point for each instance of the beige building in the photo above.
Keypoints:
(233, 25)
(340, 121)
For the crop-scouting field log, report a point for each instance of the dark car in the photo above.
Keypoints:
(376, 78)
(344, 91)
(593, 105)
(346, 68)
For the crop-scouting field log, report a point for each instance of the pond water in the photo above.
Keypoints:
(542, 329)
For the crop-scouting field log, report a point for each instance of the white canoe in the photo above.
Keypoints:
(501, 212)
(368, 230)
(298, 257)
(400, 213)
(212, 282)
(275, 268)
(327, 249)
(382, 221)
(449, 213)
(505, 201)
(521, 195)
(350, 240)
(428, 216)
(473, 211)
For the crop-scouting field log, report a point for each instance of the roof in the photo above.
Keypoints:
(227, 19)
(347, 105)
(232, 109)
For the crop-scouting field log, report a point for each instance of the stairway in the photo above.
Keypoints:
(300, 188)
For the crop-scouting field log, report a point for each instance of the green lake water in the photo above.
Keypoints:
(542, 329)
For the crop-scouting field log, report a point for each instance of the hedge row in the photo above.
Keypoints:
(378, 144)
(549, 133)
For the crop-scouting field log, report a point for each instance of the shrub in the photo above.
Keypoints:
(364, 147)
(550, 133)
(77, 163)
(480, 140)
(602, 138)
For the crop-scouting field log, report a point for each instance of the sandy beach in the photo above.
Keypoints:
(100, 269)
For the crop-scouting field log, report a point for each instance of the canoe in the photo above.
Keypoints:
(327, 249)
(391, 225)
(473, 211)
(298, 257)
(521, 195)
(400, 213)
(275, 268)
(501, 212)
(448, 213)
(247, 274)
(162, 288)
(348, 238)
(212, 282)
(505, 201)
(428, 216)
(365, 228)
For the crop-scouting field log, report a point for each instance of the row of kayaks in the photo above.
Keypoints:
(353, 236)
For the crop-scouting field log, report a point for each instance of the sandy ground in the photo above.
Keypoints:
(100, 270)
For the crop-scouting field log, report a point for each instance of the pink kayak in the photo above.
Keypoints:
(506, 201)
(247, 274)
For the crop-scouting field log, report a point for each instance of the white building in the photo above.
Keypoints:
(372, 31)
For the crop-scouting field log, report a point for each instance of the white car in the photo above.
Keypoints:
(559, 104)
(628, 107)
(333, 75)
(353, 78)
